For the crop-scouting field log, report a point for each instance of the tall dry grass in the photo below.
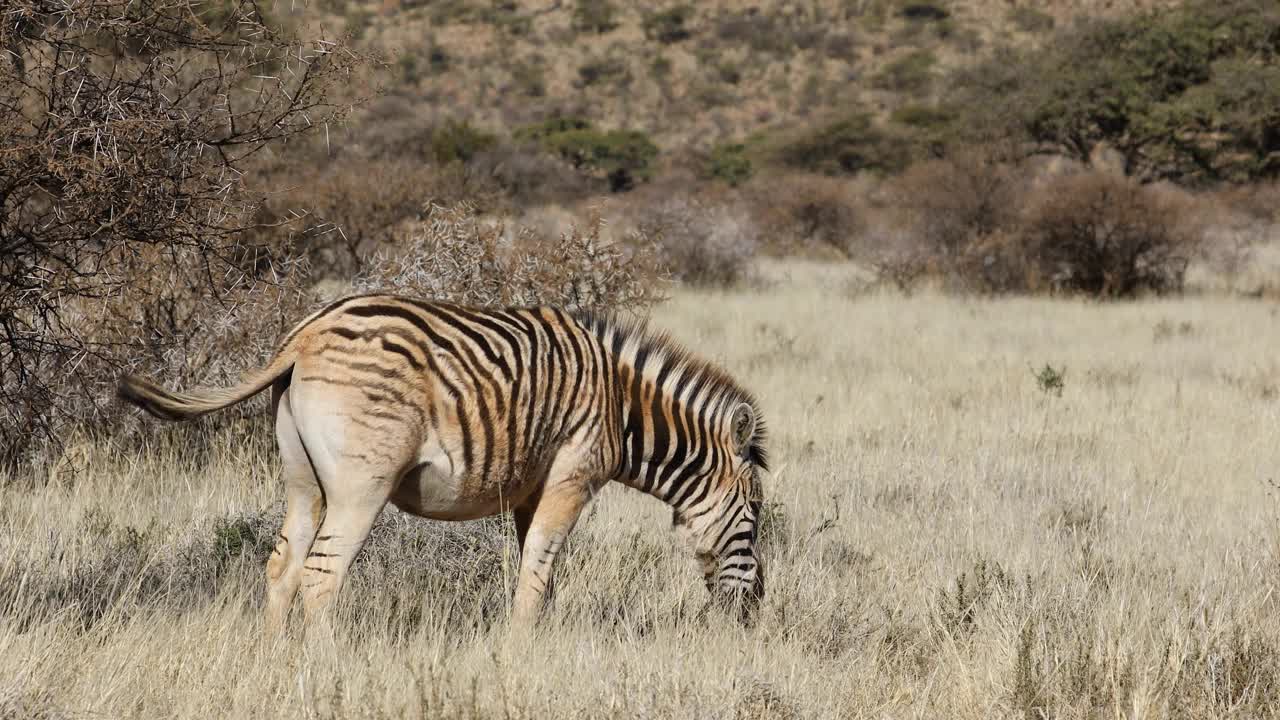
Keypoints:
(945, 539)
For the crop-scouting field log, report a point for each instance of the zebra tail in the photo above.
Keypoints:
(175, 406)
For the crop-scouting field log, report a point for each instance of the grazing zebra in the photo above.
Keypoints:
(458, 413)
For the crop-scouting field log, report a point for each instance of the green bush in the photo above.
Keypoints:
(623, 156)
(670, 25)
(930, 127)
(1030, 19)
(763, 33)
(602, 70)
(924, 117)
(528, 76)
(506, 17)
(912, 73)
(729, 72)
(842, 46)
(729, 162)
(594, 16)
(924, 10)
(848, 144)
(458, 141)
(539, 132)
(660, 67)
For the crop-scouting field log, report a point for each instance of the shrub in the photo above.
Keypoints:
(539, 132)
(505, 15)
(1050, 380)
(594, 16)
(958, 219)
(729, 162)
(924, 117)
(623, 156)
(846, 144)
(452, 254)
(762, 32)
(842, 46)
(799, 210)
(729, 72)
(603, 70)
(356, 205)
(527, 176)
(458, 141)
(1028, 18)
(703, 243)
(911, 73)
(660, 67)
(1109, 236)
(528, 77)
(122, 227)
(974, 225)
(669, 26)
(948, 204)
(923, 10)
(930, 128)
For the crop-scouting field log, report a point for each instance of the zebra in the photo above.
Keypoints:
(453, 412)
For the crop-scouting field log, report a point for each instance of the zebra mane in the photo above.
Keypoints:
(665, 352)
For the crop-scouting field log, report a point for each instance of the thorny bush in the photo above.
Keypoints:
(453, 253)
(704, 242)
(126, 129)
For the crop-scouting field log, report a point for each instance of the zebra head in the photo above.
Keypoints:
(723, 527)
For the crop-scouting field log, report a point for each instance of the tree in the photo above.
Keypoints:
(1186, 93)
(127, 128)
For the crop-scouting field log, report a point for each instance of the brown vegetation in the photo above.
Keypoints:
(122, 198)
(949, 533)
(986, 226)
(453, 254)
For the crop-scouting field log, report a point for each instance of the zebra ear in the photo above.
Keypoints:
(744, 427)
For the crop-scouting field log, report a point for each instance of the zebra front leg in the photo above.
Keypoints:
(550, 523)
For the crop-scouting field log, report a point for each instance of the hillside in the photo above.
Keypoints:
(687, 74)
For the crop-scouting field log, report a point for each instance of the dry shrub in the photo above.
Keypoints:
(978, 222)
(954, 220)
(947, 203)
(799, 211)
(454, 254)
(530, 177)
(1109, 236)
(705, 242)
(127, 135)
(1242, 226)
(356, 205)
(1258, 201)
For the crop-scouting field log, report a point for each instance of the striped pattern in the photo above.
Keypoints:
(455, 412)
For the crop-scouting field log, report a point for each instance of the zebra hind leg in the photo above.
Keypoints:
(304, 506)
(356, 488)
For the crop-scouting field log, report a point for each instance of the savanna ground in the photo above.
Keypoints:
(954, 530)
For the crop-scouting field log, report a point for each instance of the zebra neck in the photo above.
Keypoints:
(669, 409)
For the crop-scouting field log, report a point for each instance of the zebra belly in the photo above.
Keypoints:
(436, 489)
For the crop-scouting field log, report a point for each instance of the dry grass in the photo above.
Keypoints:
(946, 540)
